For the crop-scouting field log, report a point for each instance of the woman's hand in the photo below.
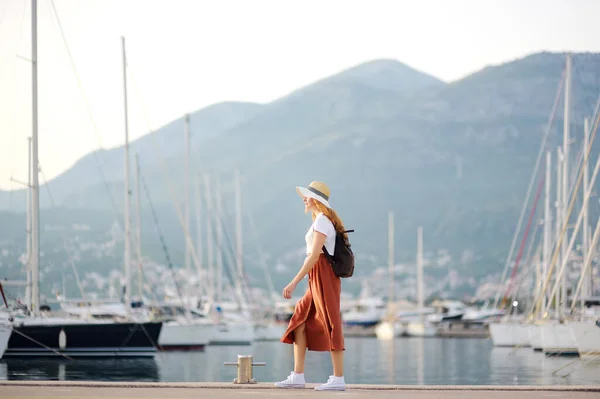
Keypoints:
(287, 291)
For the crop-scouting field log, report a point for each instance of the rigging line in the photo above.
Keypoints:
(531, 183)
(261, 255)
(143, 274)
(580, 154)
(40, 344)
(564, 261)
(526, 234)
(243, 278)
(523, 277)
(11, 115)
(92, 120)
(161, 236)
(528, 262)
(175, 203)
(4, 297)
(566, 218)
(138, 252)
(262, 260)
(70, 258)
(555, 237)
(585, 202)
(17, 303)
(588, 261)
(228, 264)
(90, 115)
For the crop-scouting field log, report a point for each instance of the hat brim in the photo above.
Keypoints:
(304, 192)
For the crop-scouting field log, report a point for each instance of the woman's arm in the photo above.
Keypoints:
(311, 260)
(309, 263)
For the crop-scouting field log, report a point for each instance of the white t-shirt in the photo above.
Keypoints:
(322, 224)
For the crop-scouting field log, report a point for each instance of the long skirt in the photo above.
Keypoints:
(319, 309)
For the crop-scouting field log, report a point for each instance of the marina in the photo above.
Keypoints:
(132, 319)
(403, 361)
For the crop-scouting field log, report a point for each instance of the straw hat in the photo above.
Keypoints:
(317, 191)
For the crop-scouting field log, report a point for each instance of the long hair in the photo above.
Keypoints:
(332, 215)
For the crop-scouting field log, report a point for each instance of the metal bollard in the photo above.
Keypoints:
(244, 372)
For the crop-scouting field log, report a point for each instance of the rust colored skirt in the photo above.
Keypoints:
(319, 309)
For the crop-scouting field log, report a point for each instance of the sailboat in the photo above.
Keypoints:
(422, 327)
(38, 333)
(390, 328)
(184, 331)
(5, 332)
(232, 316)
(187, 332)
(550, 327)
(5, 329)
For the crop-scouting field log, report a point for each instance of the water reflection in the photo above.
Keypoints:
(523, 366)
(429, 361)
(80, 369)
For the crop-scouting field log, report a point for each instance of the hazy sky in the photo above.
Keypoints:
(184, 55)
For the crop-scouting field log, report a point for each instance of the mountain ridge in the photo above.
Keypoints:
(455, 159)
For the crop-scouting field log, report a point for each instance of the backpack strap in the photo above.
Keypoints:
(327, 255)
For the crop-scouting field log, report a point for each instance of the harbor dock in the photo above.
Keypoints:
(84, 389)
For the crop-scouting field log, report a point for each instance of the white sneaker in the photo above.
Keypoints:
(294, 380)
(333, 384)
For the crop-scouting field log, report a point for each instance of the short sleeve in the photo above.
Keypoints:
(323, 225)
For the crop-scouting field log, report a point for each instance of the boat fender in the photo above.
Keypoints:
(62, 339)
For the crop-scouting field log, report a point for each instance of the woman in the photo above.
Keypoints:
(317, 322)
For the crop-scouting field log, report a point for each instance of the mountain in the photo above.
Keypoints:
(454, 158)
(205, 124)
(386, 74)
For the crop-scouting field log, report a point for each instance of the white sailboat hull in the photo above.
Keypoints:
(557, 339)
(269, 332)
(233, 333)
(535, 336)
(387, 330)
(587, 335)
(5, 332)
(417, 329)
(184, 335)
(509, 334)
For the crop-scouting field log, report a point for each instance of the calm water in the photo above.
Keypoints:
(430, 361)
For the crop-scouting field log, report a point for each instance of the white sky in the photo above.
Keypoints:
(185, 55)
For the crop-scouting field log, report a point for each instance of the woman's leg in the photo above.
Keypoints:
(337, 359)
(296, 378)
(299, 348)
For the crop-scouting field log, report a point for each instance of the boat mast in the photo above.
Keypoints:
(138, 229)
(186, 185)
(559, 221)
(586, 228)
(239, 248)
(420, 301)
(28, 230)
(198, 218)
(210, 267)
(391, 240)
(219, 233)
(35, 192)
(547, 229)
(565, 177)
(127, 255)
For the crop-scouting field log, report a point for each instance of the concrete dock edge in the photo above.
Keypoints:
(264, 385)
